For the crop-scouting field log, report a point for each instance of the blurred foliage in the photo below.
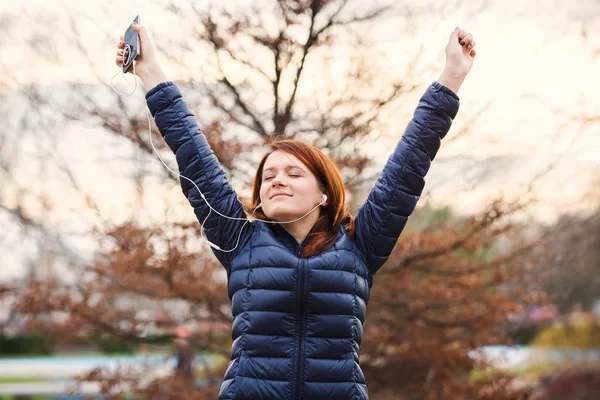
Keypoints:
(577, 383)
(446, 289)
(20, 345)
(570, 262)
(424, 216)
(111, 345)
(583, 332)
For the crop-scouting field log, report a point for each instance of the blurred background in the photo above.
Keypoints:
(493, 291)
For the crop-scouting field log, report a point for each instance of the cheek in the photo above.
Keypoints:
(262, 193)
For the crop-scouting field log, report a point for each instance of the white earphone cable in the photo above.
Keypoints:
(127, 50)
(211, 209)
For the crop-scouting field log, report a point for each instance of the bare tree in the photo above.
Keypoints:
(444, 291)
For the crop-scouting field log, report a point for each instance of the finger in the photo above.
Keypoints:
(122, 38)
(119, 61)
(461, 35)
(473, 53)
(470, 46)
(466, 40)
(121, 45)
(120, 52)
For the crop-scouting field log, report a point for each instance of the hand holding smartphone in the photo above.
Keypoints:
(129, 48)
(132, 48)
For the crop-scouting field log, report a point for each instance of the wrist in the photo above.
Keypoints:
(151, 76)
(452, 79)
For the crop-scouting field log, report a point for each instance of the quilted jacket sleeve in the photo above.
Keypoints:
(197, 161)
(381, 219)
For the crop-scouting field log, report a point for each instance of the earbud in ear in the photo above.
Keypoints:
(324, 197)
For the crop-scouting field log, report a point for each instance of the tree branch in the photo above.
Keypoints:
(217, 44)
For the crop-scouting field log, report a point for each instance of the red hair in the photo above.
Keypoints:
(334, 214)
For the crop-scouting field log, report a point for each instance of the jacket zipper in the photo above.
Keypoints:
(300, 310)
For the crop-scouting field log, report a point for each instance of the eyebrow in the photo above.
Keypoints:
(286, 168)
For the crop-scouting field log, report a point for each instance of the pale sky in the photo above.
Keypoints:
(533, 67)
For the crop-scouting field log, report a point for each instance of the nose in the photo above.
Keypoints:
(278, 180)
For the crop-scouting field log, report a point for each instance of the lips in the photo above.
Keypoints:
(280, 194)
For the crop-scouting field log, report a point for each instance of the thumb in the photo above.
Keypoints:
(453, 43)
(141, 31)
(454, 34)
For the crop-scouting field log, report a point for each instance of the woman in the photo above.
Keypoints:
(299, 285)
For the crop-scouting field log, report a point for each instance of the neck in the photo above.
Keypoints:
(300, 229)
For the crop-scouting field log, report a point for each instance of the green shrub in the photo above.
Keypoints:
(19, 345)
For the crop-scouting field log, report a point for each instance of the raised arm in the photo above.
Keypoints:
(195, 158)
(197, 162)
(381, 219)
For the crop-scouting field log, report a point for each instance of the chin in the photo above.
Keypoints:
(281, 214)
(282, 217)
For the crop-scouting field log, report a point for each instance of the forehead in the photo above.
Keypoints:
(281, 160)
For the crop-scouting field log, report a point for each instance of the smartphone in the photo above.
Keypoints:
(131, 38)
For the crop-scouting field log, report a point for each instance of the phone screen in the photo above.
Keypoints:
(131, 38)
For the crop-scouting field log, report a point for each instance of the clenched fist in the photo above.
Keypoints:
(460, 54)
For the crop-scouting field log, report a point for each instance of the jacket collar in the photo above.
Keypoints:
(288, 240)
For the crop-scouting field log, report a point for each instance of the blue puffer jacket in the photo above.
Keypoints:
(298, 322)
